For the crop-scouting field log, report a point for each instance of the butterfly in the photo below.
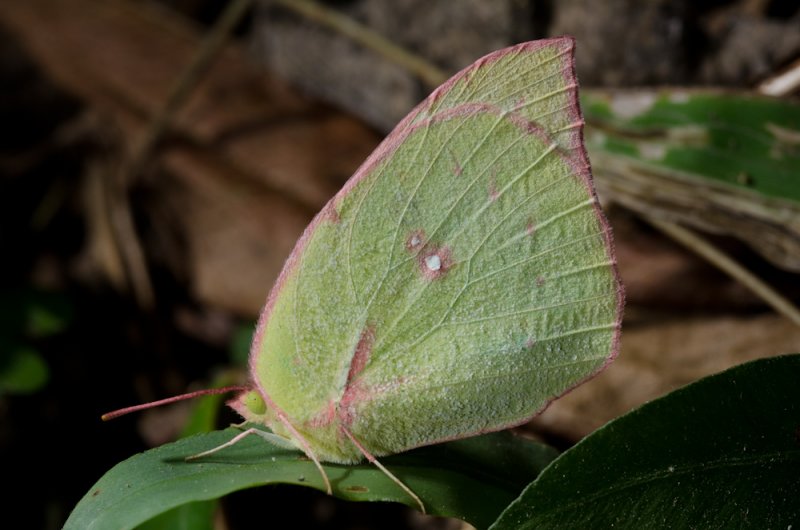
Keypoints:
(461, 280)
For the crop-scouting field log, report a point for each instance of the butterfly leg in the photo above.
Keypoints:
(274, 439)
(305, 447)
(386, 472)
(229, 443)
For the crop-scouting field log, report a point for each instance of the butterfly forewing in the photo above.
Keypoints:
(461, 280)
(534, 79)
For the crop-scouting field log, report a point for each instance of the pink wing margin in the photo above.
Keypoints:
(573, 150)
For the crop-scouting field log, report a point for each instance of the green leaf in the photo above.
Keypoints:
(471, 479)
(22, 371)
(720, 453)
(195, 515)
(191, 516)
(720, 161)
(743, 140)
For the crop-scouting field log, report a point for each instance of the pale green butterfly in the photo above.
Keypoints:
(461, 280)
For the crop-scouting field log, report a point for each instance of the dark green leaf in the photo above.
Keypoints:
(720, 453)
(194, 515)
(191, 516)
(471, 479)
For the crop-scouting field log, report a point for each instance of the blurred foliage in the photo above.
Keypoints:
(721, 161)
(27, 316)
(239, 348)
(743, 140)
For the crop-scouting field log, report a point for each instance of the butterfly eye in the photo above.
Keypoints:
(255, 403)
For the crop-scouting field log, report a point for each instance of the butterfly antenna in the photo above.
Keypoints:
(386, 472)
(191, 395)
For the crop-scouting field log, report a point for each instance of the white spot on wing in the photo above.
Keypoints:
(433, 262)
